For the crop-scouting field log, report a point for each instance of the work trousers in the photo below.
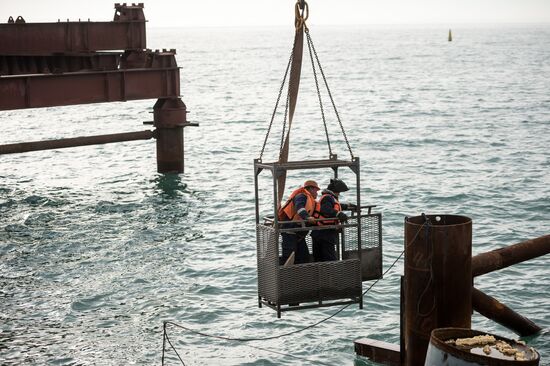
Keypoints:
(324, 245)
(295, 242)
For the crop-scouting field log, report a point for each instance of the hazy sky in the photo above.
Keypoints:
(161, 13)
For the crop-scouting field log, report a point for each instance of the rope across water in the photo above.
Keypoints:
(252, 339)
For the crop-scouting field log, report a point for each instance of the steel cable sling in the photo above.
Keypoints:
(300, 24)
(310, 42)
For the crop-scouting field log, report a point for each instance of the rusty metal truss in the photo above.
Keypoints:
(68, 63)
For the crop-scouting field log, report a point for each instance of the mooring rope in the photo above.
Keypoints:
(429, 248)
(165, 338)
(283, 334)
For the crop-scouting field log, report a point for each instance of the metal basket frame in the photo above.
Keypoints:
(316, 284)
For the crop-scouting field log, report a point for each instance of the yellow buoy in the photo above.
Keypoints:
(450, 36)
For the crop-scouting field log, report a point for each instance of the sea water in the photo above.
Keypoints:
(98, 250)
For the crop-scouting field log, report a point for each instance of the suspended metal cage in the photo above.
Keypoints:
(285, 287)
(316, 284)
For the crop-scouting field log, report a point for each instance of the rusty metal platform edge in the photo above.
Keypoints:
(378, 351)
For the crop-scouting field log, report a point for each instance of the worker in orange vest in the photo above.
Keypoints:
(324, 241)
(299, 208)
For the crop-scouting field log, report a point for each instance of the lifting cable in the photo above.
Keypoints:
(294, 79)
(251, 339)
(293, 86)
(310, 41)
(309, 46)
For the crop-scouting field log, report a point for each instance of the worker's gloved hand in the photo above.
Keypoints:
(311, 220)
(352, 207)
(342, 217)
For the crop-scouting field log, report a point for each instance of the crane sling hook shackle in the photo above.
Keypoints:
(301, 12)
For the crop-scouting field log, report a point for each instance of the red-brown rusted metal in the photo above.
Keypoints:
(65, 63)
(169, 113)
(75, 141)
(124, 12)
(170, 150)
(170, 116)
(148, 59)
(32, 91)
(507, 256)
(126, 32)
(484, 304)
(378, 351)
(502, 314)
(95, 61)
(91, 61)
(438, 279)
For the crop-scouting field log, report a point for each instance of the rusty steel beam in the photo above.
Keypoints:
(95, 61)
(378, 351)
(91, 61)
(34, 91)
(75, 141)
(148, 59)
(126, 32)
(507, 256)
(502, 314)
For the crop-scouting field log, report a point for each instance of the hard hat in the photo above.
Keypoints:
(336, 185)
(311, 183)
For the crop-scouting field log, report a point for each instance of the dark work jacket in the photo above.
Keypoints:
(327, 210)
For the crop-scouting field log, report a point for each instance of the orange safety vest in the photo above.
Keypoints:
(288, 211)
(317, 213)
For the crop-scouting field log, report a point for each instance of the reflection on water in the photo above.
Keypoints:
(170, 185)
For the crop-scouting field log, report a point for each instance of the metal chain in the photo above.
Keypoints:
(329, 93)
(277, 103)
(284, 122)
(318, 91)
(311, 47)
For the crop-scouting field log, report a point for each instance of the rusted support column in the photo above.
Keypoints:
(500, 313)
(504, 257)
(170, 116)
(438, 279)
(75, 141)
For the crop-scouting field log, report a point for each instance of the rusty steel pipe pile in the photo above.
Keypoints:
(507, 256)
(438, 287)
(22, 147)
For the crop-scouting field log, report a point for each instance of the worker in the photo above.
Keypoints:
(328, 206)
(298, 207)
